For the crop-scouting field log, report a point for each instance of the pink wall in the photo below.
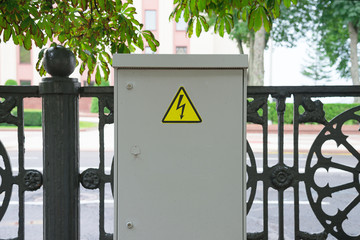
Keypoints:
(24, 71)
(151, 5)
(180, 40)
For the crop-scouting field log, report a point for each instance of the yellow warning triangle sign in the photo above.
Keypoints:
(181, 110)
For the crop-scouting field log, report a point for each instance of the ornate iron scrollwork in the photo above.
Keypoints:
(317, 161)
(90, 178)
(281, 177)
(32, 180)
(6, 180)
(252, 110)
(252, 179)
(314, 111)
(255, 236)
(6, 107)
(313, 236)
(107, 102)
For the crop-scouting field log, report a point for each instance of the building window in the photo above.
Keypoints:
(149, 51)
(25, 56)
(25, 82)
(181, 50)
(181, 25)
(150, 20)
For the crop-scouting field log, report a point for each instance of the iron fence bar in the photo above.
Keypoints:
(23, 91)
(102, 168)
(296, 167)
(21, 152)
(280, 108)
(265, 169)
(266, 186)
(311, 91)
(96, 91)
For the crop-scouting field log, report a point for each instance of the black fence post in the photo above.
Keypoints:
(60, 146)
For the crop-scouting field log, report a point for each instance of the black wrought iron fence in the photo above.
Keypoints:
(285, 190)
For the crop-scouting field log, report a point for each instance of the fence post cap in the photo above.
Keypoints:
(59, 61)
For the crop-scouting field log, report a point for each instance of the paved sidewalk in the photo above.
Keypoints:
(89, 138)
(307, 136)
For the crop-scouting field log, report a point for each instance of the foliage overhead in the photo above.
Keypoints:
(257, 13)
(326, 18)
(334, 17)
(92, 29)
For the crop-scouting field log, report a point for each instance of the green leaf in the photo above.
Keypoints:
(74, 3)
(190, 30)
(201, 5)
(27, 41)
(177, 16)
(221, 27)
(26, 23)
(98, 76)
(193, 6)
(38, 40)
(287, 3)
(90, 64)
(140, 43)
(198, 28)
(108, 57)
(118, 6)
(276, 10)
(266, 24)
(270, 4)
(41, 53)
(42, 71)
(244, 15)
(48, 30)
(251, 20)
(265, 18)
(186, 14)
(102, 4)
(106, 72)
(227, 26)
(7, 34)
(82, 68)
(3, 23)
(15, 39)
(89, 77)
(204, 23)
(62, 37)
(257, 20)
(84, 4)
(152, 46)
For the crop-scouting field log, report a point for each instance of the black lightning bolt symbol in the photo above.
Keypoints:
(182, 106)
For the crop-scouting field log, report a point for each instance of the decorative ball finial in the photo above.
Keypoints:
(59, 61)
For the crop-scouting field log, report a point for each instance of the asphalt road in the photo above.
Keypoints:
(90, 202)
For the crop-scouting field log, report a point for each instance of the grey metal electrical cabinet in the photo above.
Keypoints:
(180, 163)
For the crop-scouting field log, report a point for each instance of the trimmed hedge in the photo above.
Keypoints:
(11, 82)
(94, 108)
(32, 117)
(331, 110)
